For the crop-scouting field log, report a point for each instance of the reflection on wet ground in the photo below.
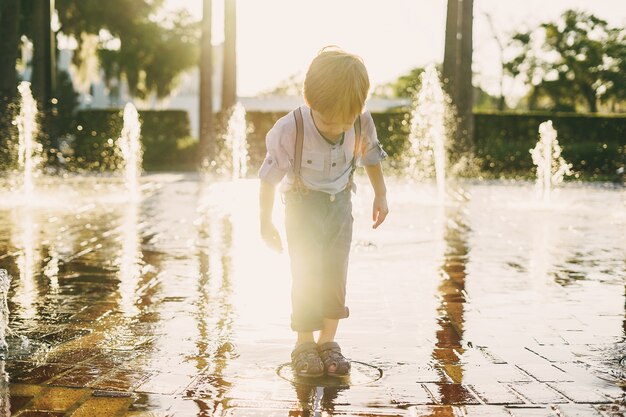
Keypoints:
(490, 305)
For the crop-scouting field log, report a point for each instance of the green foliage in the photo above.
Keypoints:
(595, 145)
(576, 62)
(406, 85)
(164, 136)
(152, 51)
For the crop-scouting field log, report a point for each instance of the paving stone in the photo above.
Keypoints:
(71, 356)
(554, 353)
(25, 390)
(577, 410)
(579, 393)
(494, 393)
(18, 402)
(121, 379)
(545, 372)
(433, 410)
(38, 413)
(451, 394)
(482, 411)
(165, 383)
(473, 374)
(58, 399)
(79, 376)
(102, 407)
(41, 374)
(531, 412)
(537, 393)
(410, 394)
(262, 412)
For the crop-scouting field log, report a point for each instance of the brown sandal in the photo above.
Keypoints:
(306, 362)
(330, 353)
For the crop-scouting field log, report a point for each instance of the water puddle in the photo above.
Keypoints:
(361, 373)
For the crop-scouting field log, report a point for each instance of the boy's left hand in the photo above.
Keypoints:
(379, 210)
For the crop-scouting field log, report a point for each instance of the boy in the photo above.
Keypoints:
(317, 147)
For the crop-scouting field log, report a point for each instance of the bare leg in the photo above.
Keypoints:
(327, 334)
(304, 337)
(329, 329)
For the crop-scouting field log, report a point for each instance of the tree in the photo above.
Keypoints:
(207, 148)
(457, 68)
(576, 62)
(9, 47)
(148, 52)
(406, 85)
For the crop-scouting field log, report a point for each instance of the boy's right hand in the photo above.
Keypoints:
(271, 237)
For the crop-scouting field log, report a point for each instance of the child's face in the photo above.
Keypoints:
(331, 127)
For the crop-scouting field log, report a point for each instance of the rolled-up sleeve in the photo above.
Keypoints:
(276, 161)
(371, 150)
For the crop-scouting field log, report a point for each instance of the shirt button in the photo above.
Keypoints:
(334, 163)
(309, 161)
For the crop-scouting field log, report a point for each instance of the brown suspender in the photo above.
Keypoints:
(297, 160)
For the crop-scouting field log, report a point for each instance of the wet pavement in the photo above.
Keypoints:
(489, 305)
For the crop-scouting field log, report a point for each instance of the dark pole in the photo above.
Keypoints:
(9, 47)
(50, 52)
(465, 88)
(229, 86)
(206, 145)
(451, 52)
(38, 78)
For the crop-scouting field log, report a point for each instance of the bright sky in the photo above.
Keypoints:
(278, 38)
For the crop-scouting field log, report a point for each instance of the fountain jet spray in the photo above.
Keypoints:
(427, 155)
(5, 284)
(130, 147)
(236, 143)
(551, 167)
(29, 150)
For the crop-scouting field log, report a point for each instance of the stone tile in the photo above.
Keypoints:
(71, 356)
(579, 393)
(451, 394)
(531, 412)
(261, 412)
(537, 393)
(577, 410)
(18, 403)
(494, 393)
(58, 399)
(79, 376)
(545, 372)
(410, 394)
(121, 379)
(41, 374)
(445, 355)
(25, 390)
(483, 411)
(102, 407)
(492, 373)
(554, 353)
(165, 383)
(433, 410)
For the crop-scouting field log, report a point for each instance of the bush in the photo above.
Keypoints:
(164, 136)
(594, 144)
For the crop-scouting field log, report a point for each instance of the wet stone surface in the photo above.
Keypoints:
(488, 305)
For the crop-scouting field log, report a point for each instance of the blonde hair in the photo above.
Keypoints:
(336, 84)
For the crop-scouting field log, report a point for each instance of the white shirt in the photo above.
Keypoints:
(325, 167)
